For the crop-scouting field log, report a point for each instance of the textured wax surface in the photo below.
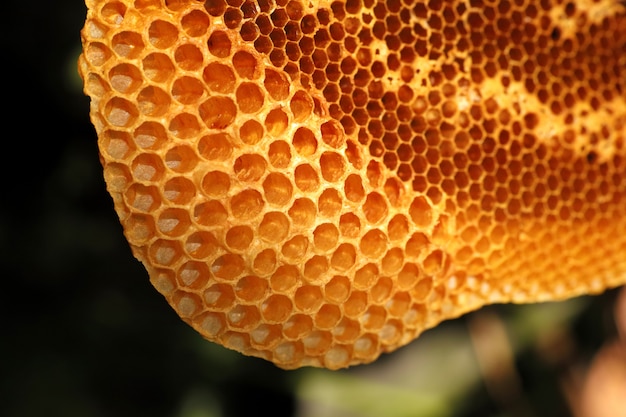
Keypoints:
(316, 183)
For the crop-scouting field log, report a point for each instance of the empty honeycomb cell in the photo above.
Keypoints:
(181, 159)
(219, 44)
(304, 142)
(337, 289)
(332, 166)
(327, 317)
(344, 257)
(249, 167)
(380, 292)
(251, 288)
(350, 225)
(301, 105)
(117, 145)
(373, 244)
(243, 317)
(162, 34)
(325, 236)
(276, 85)
(246, 204)
(251, 132)
(179, 190)
(315, 268)
(308, 298)
(306, 178)
(276, 122)
(127, 44)
(218, 112)
(195, 23)
(277, 308)
(125, 78)
(173, 222)
(278, 189)
(187, 90)
(193, 274)
(219, 78)
(164, 252)
(239, 237)
(274, 227)
(228, 266)
(186, 304)
(295, 248)
(147, 167)
(216, 183)
(140, 227)
(153, 101)
(265, 336)
(120, 112)
(201, 245)
(215, 147)
(158, 67)
(329, 203)
(315, 184)
(250, 98)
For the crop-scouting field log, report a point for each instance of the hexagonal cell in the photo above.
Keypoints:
(344, 257)
(210, 213)
(251, 288)
(306, 178)
(276, 122)
(243, 317)
(116, 145)
(277, 308)
(250, 98)
(332, 166)
(308, 298)
(164, 252)
(278, 189)
(195, 23)
(153, 101)
(218, 112)
(181, 159)
(158, 67)
(297, 326)
(219, 44)
(193, 274)
(295, 248)
(125, 78)
(239, 238)
(120, 112)
(186, 304)
(127, 44)
(142, 198)
(337, 289)
(330, 203)
(325, 237)
(246, 204)
(228, 266)
(373, 243)
(173, 222)
(97, 53)
(303, 212)
(274, 227)
(327, 317)
(139, 228)
(162, 34)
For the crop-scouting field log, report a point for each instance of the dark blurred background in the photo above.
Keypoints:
(83, 333)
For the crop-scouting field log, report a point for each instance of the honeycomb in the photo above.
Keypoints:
(318, 182)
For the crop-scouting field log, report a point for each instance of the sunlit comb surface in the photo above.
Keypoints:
(318, 182)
